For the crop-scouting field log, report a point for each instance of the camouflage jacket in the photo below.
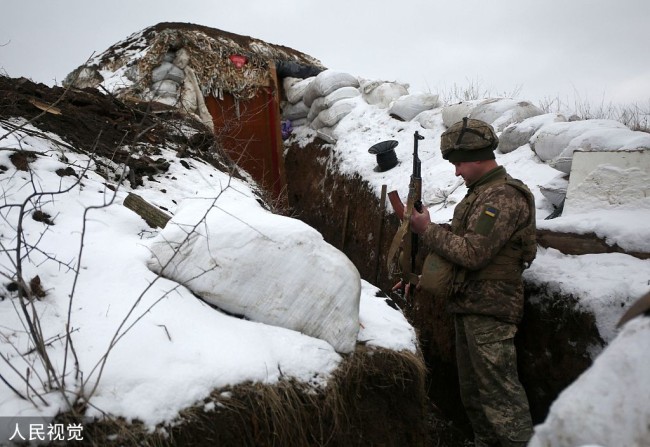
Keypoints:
(490, 226)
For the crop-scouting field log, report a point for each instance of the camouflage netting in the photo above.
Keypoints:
(209, 50)
(209, 60)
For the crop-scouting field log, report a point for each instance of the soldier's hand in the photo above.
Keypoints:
(420, 221)
(400, 286)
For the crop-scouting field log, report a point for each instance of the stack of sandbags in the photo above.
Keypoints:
(174, 83)
(166, 81)
(519, 134)
(328, 102)
(501, 112)
(294, 108)
(498, 112)
(326, 82)
(330, 97)
(555, 143)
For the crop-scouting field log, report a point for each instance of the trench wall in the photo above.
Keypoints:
(554, 339)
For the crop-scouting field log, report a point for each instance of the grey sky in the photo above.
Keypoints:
(589, 50)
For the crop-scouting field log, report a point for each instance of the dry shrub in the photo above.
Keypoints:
(376, 397)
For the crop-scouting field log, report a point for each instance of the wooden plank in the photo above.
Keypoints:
(581, 244)
(380, 228)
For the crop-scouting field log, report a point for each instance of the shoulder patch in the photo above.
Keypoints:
(490, 211)
(486, 220)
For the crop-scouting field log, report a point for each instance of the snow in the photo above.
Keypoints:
(168, 349)
(608, 404)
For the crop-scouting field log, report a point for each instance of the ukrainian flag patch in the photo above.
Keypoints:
(486, 220)
(489, 211)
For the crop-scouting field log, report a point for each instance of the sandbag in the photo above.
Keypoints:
(164, 88)
(326, 82)
(168, 71)
(266, 267)
(294, 111)
(294, 88)
(382, 94)
(327, 135)
(299, 122)
(325, 102)
(551, 139)
(455, 112)
(518, 134)
(181, 58)
(500, 112)
(166, 92)
(429, 119)
(408, 107)
(331, 116)
(603, 139)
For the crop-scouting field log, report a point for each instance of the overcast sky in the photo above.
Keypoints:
(587, 50)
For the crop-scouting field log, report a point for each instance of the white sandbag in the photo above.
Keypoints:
(325, 102)
(182, 58)
(299, 122)
(382, 94)
(500, 112)
(430, 119)
(326, 82)
(269, 268)
(600, 139)
(456, 112)
(166, 92)
(164, 88)
(294, 111)
(408, 107)
(332, 115)
(289, 82)
(555, 189)
(551, 139)
(168, 71)
(294, 88)
(519, 134)
(327, 134)
(368, 85)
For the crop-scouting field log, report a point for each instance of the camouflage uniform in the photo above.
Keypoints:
(485, 245)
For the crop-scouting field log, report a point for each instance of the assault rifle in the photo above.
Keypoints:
(405, 238)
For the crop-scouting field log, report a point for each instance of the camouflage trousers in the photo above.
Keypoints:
(492, 395)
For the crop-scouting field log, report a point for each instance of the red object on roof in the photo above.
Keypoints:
(238, 59)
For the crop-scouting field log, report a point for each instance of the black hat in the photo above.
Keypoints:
(386, 157)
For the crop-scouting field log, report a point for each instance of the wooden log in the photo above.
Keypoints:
(380, 227)
(581, 244)
(154, 216)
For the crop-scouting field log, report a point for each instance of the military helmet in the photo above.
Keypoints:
(468, 140)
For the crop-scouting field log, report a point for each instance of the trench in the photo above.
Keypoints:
(552, 342)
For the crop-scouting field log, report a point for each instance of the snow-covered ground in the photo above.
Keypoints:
(167, 349)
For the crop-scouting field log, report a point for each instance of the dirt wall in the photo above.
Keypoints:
(554, 339)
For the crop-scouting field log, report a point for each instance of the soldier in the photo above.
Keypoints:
(492, 240)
